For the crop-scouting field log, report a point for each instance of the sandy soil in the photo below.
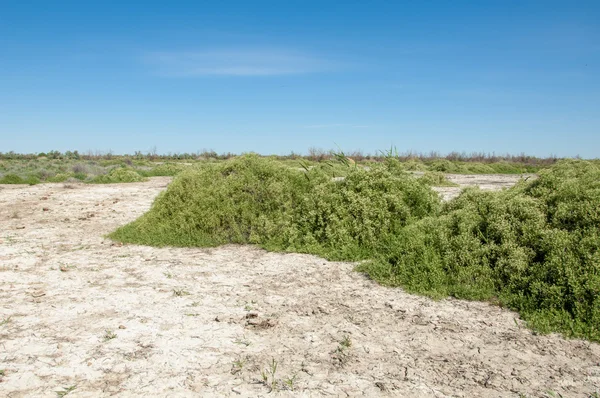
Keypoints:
(488, 182)
(84, 317)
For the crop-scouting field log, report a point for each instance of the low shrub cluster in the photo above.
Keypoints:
(15, 179)
(458, 167)
(436, 179)
(256, 200)
(245, 200)
(353, 218)
(40, 170)
(60, 177)
(118, 175)
(533, 248)
(165, 169)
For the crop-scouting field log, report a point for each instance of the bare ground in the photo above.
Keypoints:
(489, 182)
(82, 316)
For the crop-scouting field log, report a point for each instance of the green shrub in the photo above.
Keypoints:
(354, 218)
(255, 200)
(244, 200)
(495, 168)
(80, 168)
(112, 162)
(11, 179)
(165, 169)
(414, 165)
(44, 174)
(535, 248)
(445, 166)
(80, 176)
(15, 179)
(436, 179)
(61, 177)
(507, 168)
(32, 180)
(118, 175)
(479, 168)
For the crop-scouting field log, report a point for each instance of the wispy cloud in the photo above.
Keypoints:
(331, 125)
(237, 62)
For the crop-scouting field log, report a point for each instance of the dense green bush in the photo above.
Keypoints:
(60, 177)
(445, 166)
(165, 169)
(15, 179)
(534, 248)
(355, 217)
(256, 200)
(414, 165)
(478, 168)
(244, 200)
(436, 179)
(118, 175)
(11, 179)
(84, 176)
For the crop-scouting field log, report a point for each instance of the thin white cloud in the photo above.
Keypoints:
(330, 125)
(242, 62)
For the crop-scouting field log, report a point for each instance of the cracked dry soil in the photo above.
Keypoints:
(81, 316)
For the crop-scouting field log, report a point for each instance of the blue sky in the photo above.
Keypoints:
(281, 76)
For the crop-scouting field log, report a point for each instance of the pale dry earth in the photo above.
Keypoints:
(83, 317)
(488, 182)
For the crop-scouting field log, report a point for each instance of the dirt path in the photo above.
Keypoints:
(82, 316)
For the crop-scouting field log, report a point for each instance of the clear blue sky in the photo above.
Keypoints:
(276, 76)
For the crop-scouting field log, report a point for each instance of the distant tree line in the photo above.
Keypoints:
(313, 154)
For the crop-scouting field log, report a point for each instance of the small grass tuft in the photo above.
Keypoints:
(179, 292)
(242, 341)
(109, 335)
(65, 391)
(290, 382)
(237, 366)
(346, 342)
(269, 375)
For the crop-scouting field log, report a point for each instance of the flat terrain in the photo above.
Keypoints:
(82, 316)
(490, 182)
